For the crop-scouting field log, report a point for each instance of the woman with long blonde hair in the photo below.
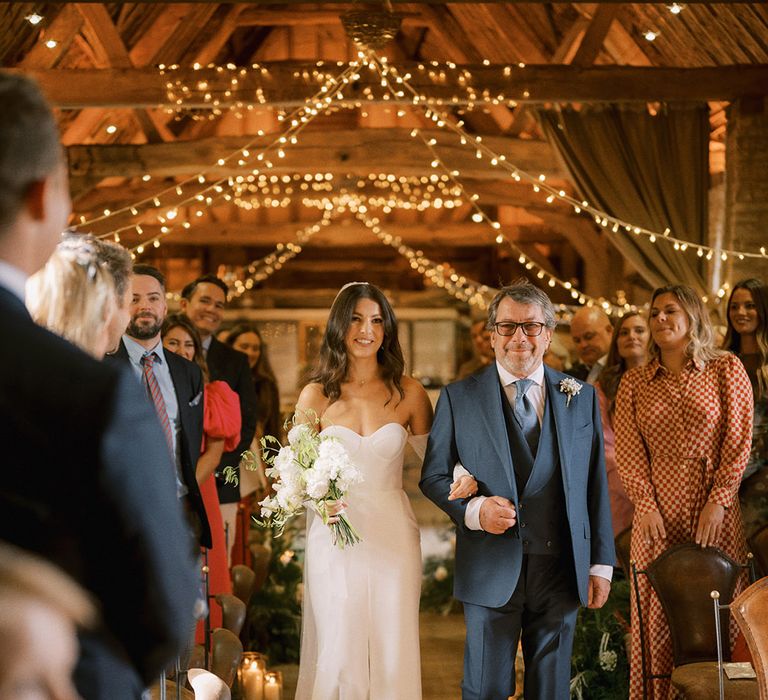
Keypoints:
(683, 429)
(74, 295)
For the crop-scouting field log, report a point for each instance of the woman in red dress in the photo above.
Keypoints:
(683, 431)
(221, 433)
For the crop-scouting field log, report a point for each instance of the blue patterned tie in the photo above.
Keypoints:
(525, 415)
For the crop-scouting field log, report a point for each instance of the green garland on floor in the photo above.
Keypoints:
(599, 666)
(437, 587)
(273, 625)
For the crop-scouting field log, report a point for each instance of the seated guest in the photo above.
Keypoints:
(747, 338)
(221, 433)
(629, 348)
(591, 332)
(40, 611)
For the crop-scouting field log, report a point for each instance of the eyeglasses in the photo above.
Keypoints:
(529, 328)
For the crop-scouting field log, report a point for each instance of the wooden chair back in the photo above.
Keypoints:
(683, 578)
(243, 582)
(232, 612)
(226, 650)
(750, 610)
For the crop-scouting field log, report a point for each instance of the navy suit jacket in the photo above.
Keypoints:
(229, 365)
(469, 428)
(187, 380)
(87, 484)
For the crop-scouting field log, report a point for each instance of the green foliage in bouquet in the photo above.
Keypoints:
(599, 666)
(274, 612)
(437, 586)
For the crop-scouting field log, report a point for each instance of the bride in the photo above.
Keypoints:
(360, 636)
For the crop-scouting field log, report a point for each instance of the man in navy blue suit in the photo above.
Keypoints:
(537, 539)
(76, 485)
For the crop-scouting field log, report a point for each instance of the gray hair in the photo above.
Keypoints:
(523, 292)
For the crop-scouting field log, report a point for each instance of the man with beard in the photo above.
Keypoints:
(174, 386)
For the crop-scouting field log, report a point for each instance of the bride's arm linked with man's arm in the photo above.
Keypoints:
(464, 485)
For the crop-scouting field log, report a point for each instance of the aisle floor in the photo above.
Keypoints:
(442, 649)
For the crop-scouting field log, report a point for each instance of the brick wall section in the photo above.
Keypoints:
(746, 216)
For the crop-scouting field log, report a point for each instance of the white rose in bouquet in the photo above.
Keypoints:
(310, 468)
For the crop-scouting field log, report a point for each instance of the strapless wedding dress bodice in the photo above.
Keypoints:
(360, 638)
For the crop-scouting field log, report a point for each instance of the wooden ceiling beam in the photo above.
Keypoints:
(360, 152)
(595, 35)
(345, 234)
(255, 17)
(145, 87)
(103, 35)
(63, 30)
(490, 193)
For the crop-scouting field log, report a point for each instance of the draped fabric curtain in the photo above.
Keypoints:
(648, 170)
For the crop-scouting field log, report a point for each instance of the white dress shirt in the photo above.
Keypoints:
(537, 395)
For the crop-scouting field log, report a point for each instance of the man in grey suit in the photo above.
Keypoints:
(537, 540)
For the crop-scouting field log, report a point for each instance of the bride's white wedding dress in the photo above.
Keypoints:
(360, 631)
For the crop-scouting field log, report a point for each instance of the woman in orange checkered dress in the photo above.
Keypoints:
(683, 431)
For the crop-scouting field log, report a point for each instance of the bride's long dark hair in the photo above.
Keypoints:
(333, 365)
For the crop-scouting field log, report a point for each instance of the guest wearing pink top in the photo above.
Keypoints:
(628, 349)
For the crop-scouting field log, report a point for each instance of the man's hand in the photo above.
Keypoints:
(710, 524)
(598, 591)
(497, 515)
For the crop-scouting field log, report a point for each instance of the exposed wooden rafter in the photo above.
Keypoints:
(145, 87)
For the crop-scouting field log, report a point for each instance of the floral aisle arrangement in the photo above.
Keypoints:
(274, 612)
(312, 470)
(437, 586)
(599, 666)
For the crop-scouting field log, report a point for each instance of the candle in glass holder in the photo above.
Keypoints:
(273, 685)
(253, 668)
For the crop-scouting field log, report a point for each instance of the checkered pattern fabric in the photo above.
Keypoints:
(681, 440)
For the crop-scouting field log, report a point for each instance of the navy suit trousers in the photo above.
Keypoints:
(543, 610)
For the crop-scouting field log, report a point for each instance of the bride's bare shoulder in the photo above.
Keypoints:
(312, 398)
(412, 388)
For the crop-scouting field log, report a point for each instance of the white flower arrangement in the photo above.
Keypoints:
(311, 469)
(570, 387)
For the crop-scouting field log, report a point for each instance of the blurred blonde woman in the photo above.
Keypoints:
(74, 295)
(40, 610)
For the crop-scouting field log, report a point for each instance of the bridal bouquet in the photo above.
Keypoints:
(311, 468)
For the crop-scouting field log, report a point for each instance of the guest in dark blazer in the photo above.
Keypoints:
(78, 488)
(203, 302)
(180, 382)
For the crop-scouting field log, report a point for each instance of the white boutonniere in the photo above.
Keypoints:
(570, 387)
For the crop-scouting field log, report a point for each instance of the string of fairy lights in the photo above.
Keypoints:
(261, 189)
(480, 215)
(538, 182)
(165, 204)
